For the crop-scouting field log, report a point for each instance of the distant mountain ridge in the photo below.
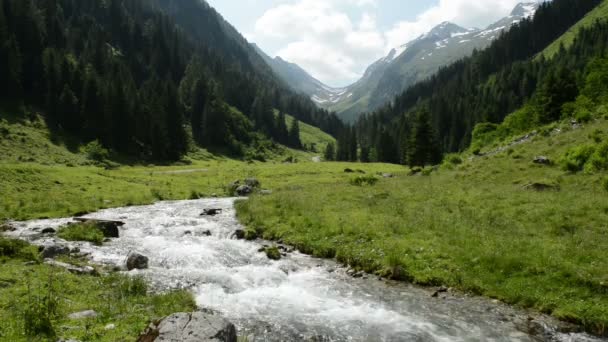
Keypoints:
(402, 67)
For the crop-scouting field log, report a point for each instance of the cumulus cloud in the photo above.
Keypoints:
(319, 36)
(336, 43)
(465, 13)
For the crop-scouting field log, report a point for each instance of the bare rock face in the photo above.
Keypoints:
(190, 327)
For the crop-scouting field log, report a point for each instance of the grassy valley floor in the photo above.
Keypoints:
(483, 227)
(473, 226)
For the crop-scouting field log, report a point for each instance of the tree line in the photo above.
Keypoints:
(125, 73)
(439, 115)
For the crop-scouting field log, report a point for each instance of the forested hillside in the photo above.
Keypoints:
(142, 77)
(439, 115)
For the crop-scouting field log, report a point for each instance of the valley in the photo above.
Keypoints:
(157, 168)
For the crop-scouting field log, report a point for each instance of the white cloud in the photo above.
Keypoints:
(319, 36)
(466, 13)
(336, 45)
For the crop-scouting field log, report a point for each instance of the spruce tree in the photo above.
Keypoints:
(423, 148)
(282, 133)
(330, 152)
(294, 135)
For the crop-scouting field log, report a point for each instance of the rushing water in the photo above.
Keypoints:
(296, 298)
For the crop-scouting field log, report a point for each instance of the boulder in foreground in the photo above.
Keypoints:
(190, 327)
(137, 261)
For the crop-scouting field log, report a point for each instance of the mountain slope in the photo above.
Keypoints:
(139, 76)
(444, 111)
(416, 61)
(600, 12)
(296, 77)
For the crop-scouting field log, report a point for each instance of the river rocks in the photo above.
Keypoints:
(244, 190)
(190, 327)
(252, 182)
(442, 289)
(110, 327)
(6, 227)
(83, 315)
(206, 233)
(387, 175)
(211, 212)
(48, 231)
(109, 228)
(86, 270)
(239, 234)
(542, 160)
(136, 261)
(52, 251)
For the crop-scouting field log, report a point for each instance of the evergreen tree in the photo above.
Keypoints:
(294, 135)
(198, 101)
(557, 88)
(175, 124)
(330, 152)
(352, 146)
(282, 133)
(69, 111)
(423, 148)
(12, 83)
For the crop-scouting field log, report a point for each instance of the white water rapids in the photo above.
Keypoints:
(294, 299)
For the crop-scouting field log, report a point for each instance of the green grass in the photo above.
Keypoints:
(472, 225)
(599, 13)
(36, 299)
(88, 232)
(475, 228)
(312, 135)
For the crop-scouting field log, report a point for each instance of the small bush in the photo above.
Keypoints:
(157, 194)
(273, 253)
(599, 159)
(575, 159)
(583, 115)
(132, 286)
(597, 135)
(453, 159)
(38, 315)
(88, 232)
(95, 151)
(17, 249)
(364, 180)
(195, 195)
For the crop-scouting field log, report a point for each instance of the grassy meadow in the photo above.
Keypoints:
(478, 223)
(477, 226)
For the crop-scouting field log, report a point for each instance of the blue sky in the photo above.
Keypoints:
(335, 40)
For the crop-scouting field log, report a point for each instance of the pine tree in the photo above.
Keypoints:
(91, 109)
(13, 83)
(197, 121)
(294, 135)
(423, 148)
(557, 88)
(175, 124)
(69, 110)
(352, 146)
(330, 152)
(282, 133)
